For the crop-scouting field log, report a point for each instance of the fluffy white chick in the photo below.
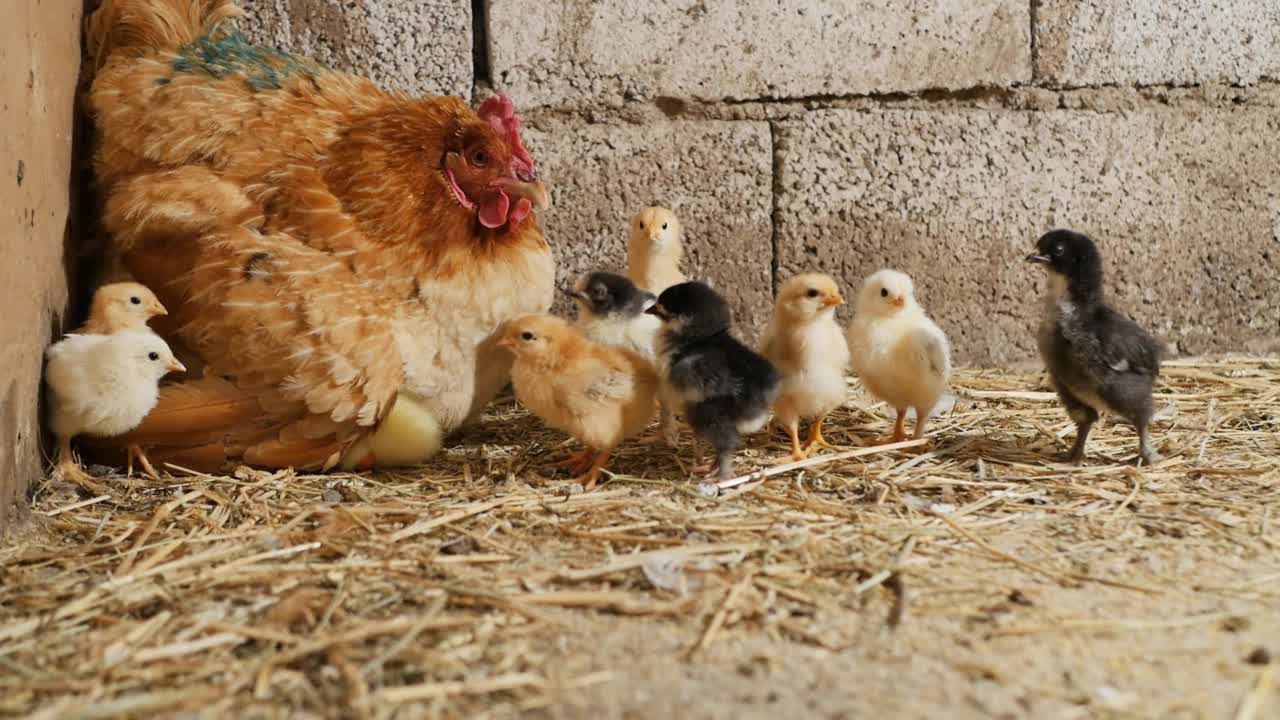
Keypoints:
(901, 356)
(104, 385)
(655, 250)
(810, 352)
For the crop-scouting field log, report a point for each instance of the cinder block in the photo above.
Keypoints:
(1172, 42)
(422, 47)
(605, 51)
(716, 176)
(1182, 203)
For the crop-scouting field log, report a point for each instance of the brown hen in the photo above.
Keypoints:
(324, 247)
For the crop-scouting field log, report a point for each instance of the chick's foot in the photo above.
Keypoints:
(578, 462)
(589, 478)
(815, 438)
(136, 451)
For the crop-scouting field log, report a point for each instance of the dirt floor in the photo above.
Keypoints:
(975, 579)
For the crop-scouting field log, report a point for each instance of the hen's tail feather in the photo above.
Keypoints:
(211, 424)
(140, 25)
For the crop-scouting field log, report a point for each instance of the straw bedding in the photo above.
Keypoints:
(484, 585)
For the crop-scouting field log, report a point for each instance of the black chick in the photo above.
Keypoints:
(1097, 358)
(721, 386)
(611, 311)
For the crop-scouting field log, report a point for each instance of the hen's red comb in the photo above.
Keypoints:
(500, 112)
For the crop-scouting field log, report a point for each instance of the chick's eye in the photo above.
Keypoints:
(153, 356)
(884, 292)
(664, 226)
(526, 336)
(812, 293)
(641, 224)
(135, 300)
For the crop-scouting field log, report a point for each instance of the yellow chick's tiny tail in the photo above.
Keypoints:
(409, 435)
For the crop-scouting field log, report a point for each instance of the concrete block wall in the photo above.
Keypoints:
(844, 135)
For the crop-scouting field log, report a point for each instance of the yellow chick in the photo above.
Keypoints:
(104, 385)
(121, 306)
(599, 394)
(408, 435)
(655, 250)
(810, 352)
(901, 356)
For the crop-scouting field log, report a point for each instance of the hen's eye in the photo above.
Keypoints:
(664, 226)
(135, 300)
(526, 336)
(153, 356)
(812, 293)
(884, 292)
(479, 158)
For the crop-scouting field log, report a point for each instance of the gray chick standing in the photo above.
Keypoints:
(1098, 359)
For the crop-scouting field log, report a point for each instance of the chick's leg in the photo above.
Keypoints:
(1145, 451)
(578, 462)
(138, 452)
(69, 470)
(592, 475)
(793, 431)
(1084, 417)
(815, 436)
(724, 465)
(899, 429)
(667, 423)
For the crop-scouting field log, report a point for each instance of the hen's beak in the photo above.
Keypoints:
(154, 308)
(532, 190)
(900, 300)
(832, 300)
(175, 366)
(1037, 259)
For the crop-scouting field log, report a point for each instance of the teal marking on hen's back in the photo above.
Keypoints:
(230, 54)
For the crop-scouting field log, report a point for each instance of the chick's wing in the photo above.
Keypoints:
(604, 378)
(929, 352)
(1124, 346)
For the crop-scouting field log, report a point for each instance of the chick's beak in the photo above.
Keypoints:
(575, 293)
(832, 300)
(1037, 259)
(155, 308)
(506, 342)
(532, 190)
(656, 311)
(175, 366)
(899, 300)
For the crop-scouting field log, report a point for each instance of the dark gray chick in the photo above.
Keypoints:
(721, 386)
(1098, 359)
(611, 311)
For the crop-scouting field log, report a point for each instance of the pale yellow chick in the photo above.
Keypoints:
(901, 356)
(599, 394)
(655, 250)
(810, 352)
(408, 435)
(121, 306)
